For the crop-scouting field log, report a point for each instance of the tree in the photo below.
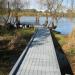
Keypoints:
(26, 4)
(53, 6)
(5, 9)
(72, 4)
(18, 5)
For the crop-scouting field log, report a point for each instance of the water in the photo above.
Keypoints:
(27, 19)
(64, 25)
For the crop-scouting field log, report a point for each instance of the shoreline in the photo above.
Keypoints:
(70, 55)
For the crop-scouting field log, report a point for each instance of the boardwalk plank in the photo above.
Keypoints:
(41, 58)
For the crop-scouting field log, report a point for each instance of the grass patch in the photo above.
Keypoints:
(70, 54)
(6, 32)
(9, 57)
(61, 38)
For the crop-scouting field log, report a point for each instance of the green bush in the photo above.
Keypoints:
(5, 31)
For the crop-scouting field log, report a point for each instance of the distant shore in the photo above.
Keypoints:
(24, 13)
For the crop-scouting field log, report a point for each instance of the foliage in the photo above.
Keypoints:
(9, 57)
(5, 31)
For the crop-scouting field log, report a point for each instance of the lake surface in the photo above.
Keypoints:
(64, 25)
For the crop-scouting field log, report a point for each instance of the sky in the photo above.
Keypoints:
(67, 3)
(35, 5)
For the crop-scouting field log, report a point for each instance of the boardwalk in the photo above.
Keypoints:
(41, 58)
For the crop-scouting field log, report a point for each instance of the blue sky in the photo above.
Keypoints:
(67, 3)
(35, 5)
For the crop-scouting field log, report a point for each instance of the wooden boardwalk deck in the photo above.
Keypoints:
(41, 57)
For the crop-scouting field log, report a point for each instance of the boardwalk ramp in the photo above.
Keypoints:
(41, 57)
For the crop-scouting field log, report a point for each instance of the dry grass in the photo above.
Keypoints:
(11, 46)
(68, 46)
